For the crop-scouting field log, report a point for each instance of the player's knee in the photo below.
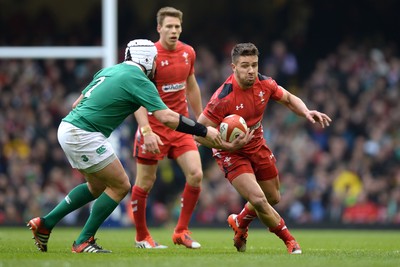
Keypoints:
(119, 190)
(96, 189)
(124, 188)
(195, 177)
(145, 182)
(274, 199)
(260, 203)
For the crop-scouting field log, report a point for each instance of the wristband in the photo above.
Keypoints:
(146, 130)
(189, 126)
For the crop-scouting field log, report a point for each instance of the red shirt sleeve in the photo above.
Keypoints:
(276, 91)
(216, 108)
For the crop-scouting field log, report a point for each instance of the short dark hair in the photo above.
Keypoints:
(243, 49)
(168, 12)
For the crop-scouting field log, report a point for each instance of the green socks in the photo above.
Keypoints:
(78, 197)
(101, 209)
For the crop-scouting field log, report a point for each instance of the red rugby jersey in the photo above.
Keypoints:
(173, 69)
(249, 103)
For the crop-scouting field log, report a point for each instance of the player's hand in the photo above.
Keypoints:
(241, 140)
(151, 142)
(214, 136)
(315, 116)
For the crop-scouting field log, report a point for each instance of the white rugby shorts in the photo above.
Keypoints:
(87, 151)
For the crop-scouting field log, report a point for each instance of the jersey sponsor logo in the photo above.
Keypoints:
(173, 87)
(101, 150)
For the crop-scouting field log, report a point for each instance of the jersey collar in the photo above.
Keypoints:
(133, 64)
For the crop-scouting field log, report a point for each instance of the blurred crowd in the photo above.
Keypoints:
(348, 173)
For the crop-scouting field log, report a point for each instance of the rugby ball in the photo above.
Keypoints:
(231, 127)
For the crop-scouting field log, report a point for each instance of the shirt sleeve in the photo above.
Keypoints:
(216, 109)
(276, 91)
(148, 97)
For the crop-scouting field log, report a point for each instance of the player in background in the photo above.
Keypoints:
(176, 83)
(252, 170)
(114, 94)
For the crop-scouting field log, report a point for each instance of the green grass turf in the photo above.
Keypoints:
(322, 248)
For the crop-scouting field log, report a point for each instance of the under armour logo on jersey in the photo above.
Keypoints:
(241, 106)
(164, 63)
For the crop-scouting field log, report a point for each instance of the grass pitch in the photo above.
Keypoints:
(321, 248)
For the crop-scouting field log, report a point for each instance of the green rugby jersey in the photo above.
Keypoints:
(114, 94)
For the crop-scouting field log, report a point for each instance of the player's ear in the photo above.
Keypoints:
(158, 28)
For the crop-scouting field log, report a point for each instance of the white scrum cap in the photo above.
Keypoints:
(142, 52)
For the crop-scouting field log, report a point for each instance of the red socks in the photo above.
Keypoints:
(282, 231)
(138, 201)
(190, 196)
(189, 199)
(246, 216)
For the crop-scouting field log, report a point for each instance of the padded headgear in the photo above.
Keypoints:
(142, 52)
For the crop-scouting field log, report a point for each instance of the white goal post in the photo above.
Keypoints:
(107, 51)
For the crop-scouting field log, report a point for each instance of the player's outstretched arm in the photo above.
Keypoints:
(297, 105)
(183, 124)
